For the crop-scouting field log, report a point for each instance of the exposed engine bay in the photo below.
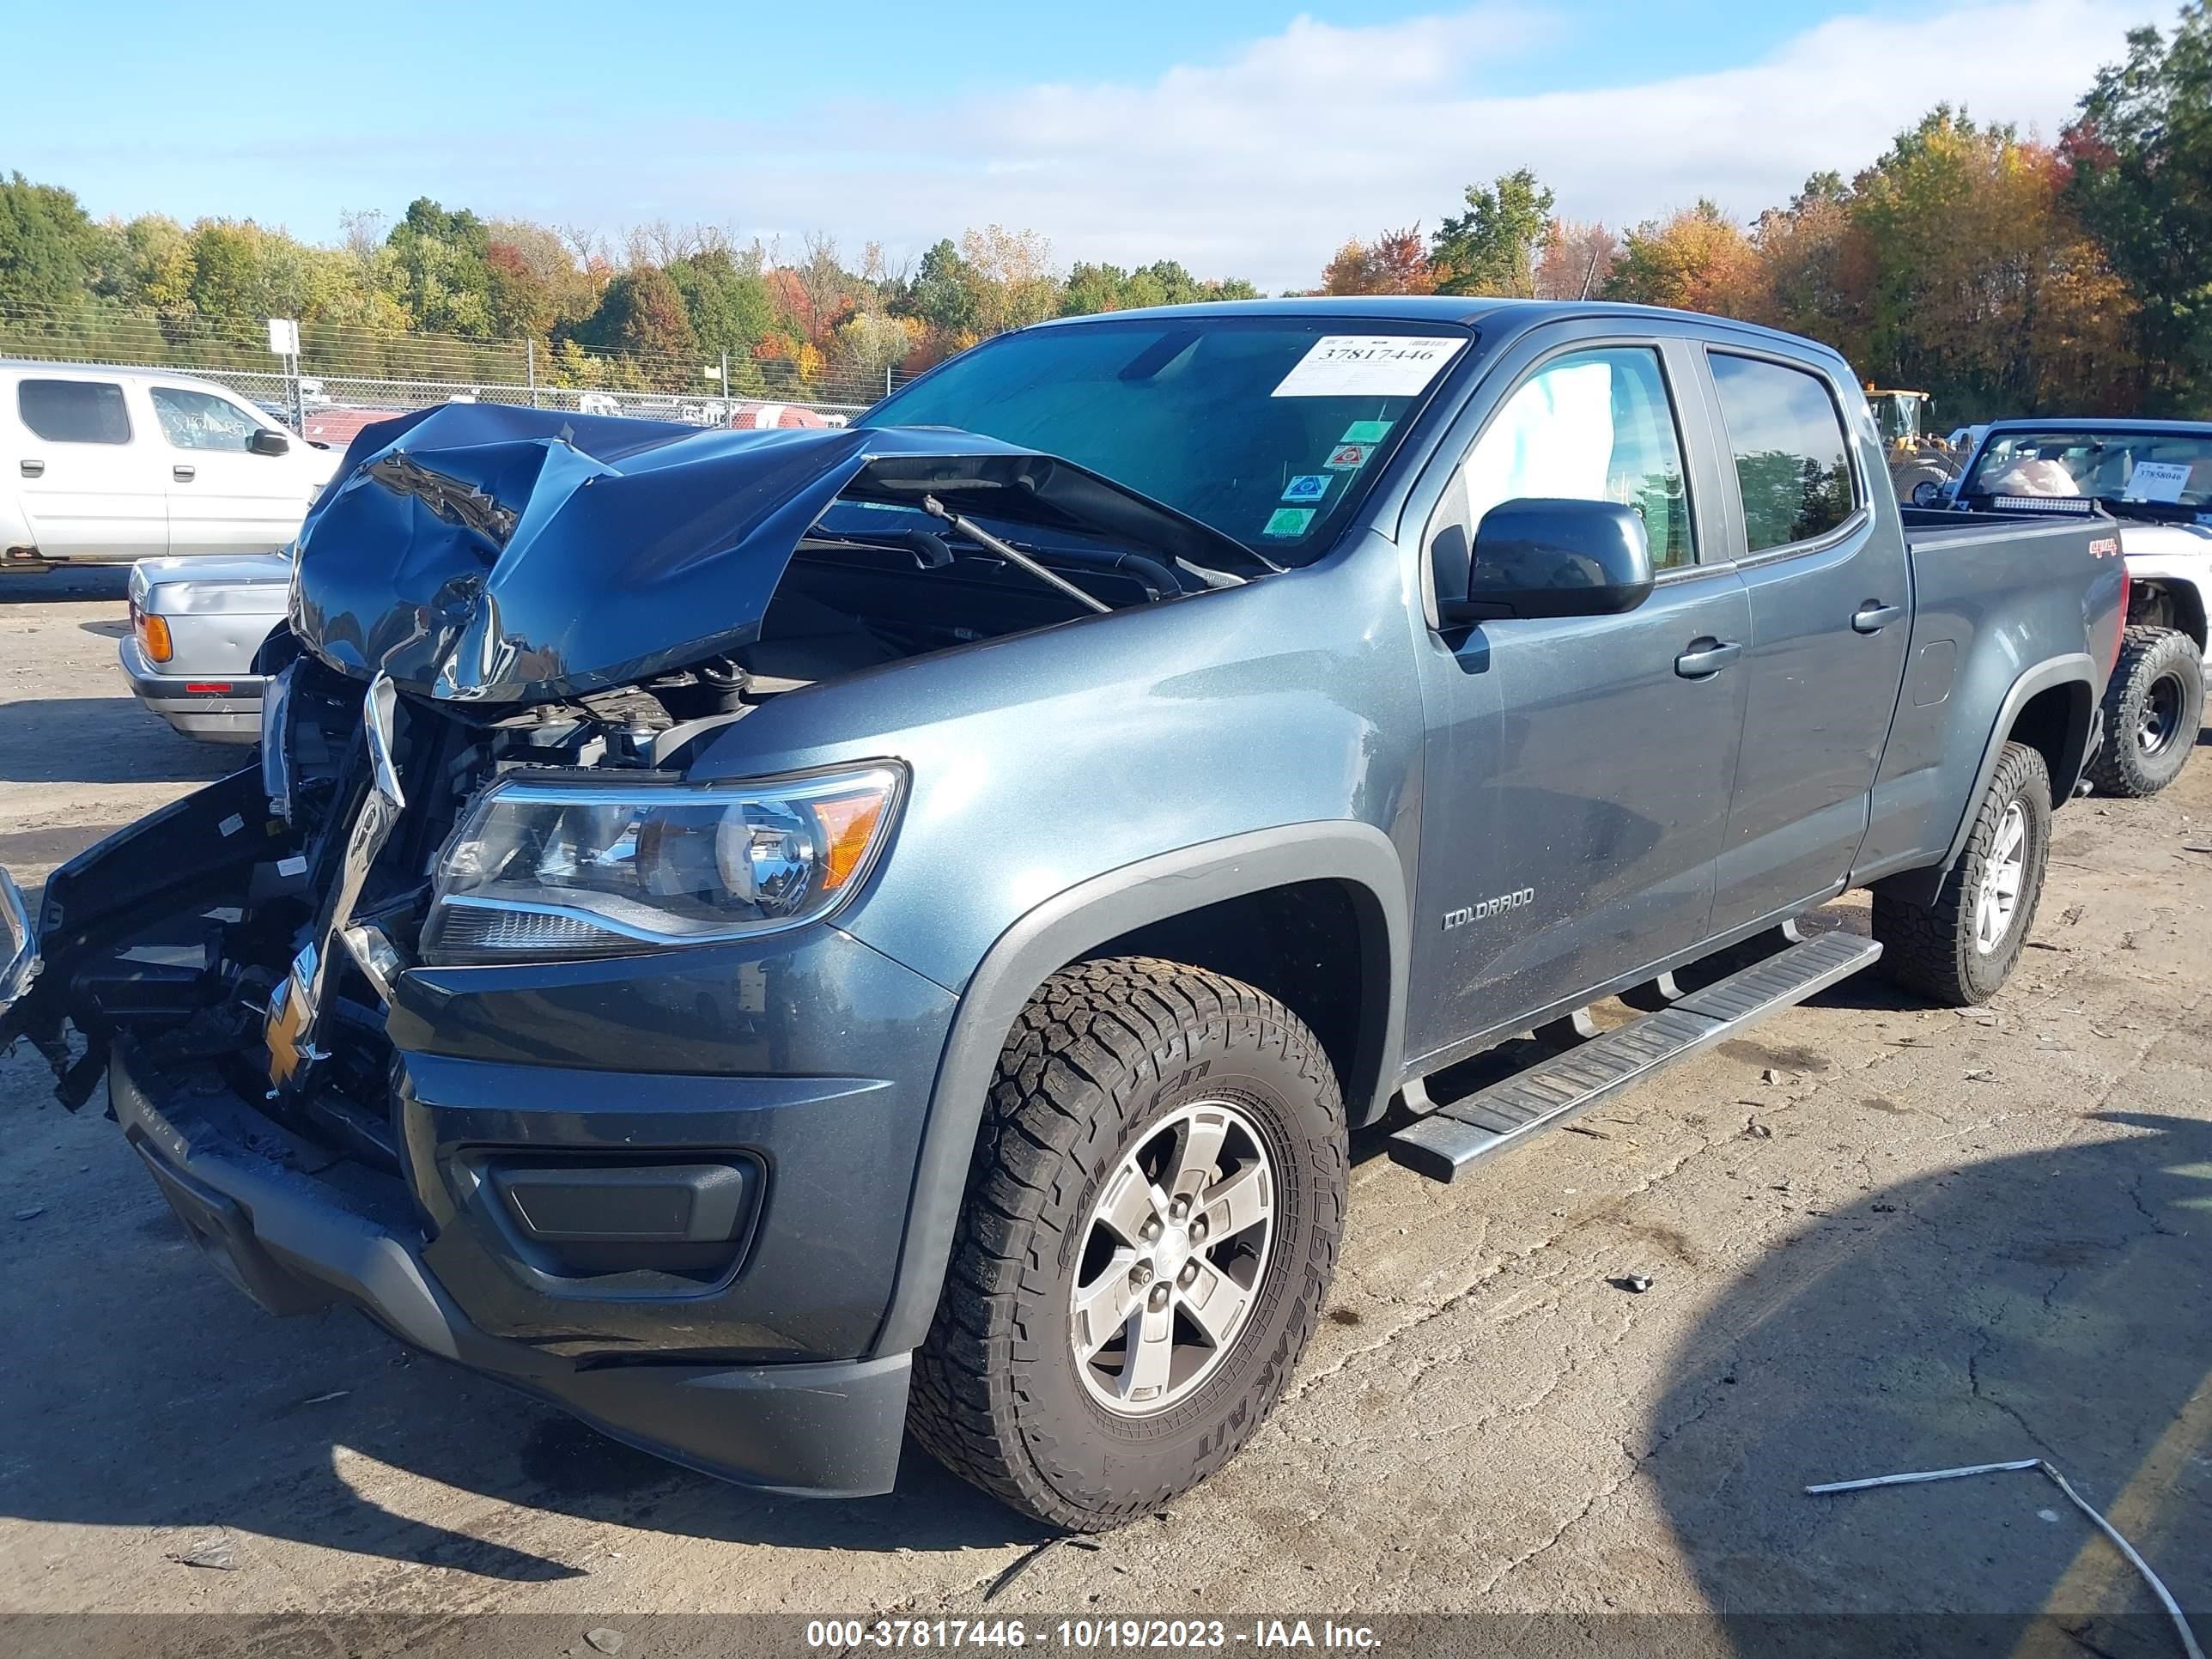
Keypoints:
(439, 785)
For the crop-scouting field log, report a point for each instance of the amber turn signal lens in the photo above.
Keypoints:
(153, 637)
(848, 823)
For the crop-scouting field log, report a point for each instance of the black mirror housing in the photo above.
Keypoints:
(266, 442)
(1545, 557)
(1927, 493)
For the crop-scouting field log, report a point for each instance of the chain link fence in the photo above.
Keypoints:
(342, 372)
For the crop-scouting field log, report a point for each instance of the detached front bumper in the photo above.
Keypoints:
(218, 708)
(19, 948)
(295, 1236)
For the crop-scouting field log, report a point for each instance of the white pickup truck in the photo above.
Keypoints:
(2155, 479)
(107, 465)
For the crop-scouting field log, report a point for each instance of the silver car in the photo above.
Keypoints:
(195, 626)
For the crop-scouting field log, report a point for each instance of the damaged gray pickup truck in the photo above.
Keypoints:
(770, 939)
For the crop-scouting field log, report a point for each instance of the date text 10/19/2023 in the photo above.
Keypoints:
(1090, 1634)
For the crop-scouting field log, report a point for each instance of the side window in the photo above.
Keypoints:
(1793, 463)
(74, 411)
(1590, 425)
(200, 420)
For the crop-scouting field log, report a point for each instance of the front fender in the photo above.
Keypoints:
(1071, 923)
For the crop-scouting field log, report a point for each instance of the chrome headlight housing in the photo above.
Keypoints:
(541, 868)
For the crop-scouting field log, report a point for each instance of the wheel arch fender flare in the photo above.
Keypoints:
(2074, 669)
(1065, 928)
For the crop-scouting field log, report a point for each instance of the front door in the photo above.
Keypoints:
(1579, 769)
(1831, 612)
(224, 496)
(88, 475)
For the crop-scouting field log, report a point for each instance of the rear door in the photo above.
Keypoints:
(88, 473)
(224, 496)
(1579, 769)
(1831, 614)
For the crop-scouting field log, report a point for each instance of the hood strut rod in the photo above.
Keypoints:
(983, 538)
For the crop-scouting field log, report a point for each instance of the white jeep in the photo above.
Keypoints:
(2155, 478)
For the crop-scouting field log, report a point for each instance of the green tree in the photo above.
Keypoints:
(2141, 181)
(729, 305)
(47, 245)
(944, 292)
(438, 273)
(642, 313)
(1493, 247)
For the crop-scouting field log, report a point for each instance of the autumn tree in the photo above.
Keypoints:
(1395, 261)
(1804, 248)
(1979, 283)
(1576, 260)
(1697, 260)
(1493, 247)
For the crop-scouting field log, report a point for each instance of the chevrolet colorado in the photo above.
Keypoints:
(768, 939)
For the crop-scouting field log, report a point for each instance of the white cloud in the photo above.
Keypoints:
(1259, 166)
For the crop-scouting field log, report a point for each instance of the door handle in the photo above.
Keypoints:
(33, 468)
(1874, 616)
(1706, 658)
(182, 473)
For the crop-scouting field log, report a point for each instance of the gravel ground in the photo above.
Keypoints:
(1882, 1238)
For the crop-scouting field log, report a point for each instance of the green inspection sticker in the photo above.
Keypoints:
(1366, 432)
(1288, 521)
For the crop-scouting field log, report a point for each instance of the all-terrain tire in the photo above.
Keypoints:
(1933, 948)
(2154, 704)
(1105, 1051)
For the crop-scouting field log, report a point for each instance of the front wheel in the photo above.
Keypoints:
(1152, 1220)
(2154, 704)
(1960, 949)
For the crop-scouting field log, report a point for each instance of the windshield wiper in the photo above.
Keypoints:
(982, 537)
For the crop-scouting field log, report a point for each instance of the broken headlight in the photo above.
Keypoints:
(541, 868)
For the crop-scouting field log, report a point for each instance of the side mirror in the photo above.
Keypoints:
(266, 442)
(1539, 557)
(1927, 493)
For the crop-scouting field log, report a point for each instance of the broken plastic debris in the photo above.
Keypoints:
(325, 1399)
(2157, 1587)
(603, 1639)
(1634, 1284)
(215, 1555)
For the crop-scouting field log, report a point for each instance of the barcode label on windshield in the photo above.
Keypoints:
(1368, 366)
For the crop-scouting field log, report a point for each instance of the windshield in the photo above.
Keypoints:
(2172, 469)
(1267, 430)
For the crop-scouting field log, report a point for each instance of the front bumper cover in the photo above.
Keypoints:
(294, 1241)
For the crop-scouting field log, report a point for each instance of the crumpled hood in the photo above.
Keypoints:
(482, 551)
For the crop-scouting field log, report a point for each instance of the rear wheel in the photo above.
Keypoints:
(1152, 1218)
(2154, 704)
(1960, 949)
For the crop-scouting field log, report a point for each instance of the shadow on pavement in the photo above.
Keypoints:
(86, 583)
(2056, 1304)
(140, 1390)
(103, 740)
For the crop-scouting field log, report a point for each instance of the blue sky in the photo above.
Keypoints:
(1244, 138)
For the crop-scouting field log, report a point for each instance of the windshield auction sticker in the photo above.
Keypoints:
(1368, 366)
(2158, 481)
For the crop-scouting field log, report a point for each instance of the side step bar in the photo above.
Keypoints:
(1444, 1143)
